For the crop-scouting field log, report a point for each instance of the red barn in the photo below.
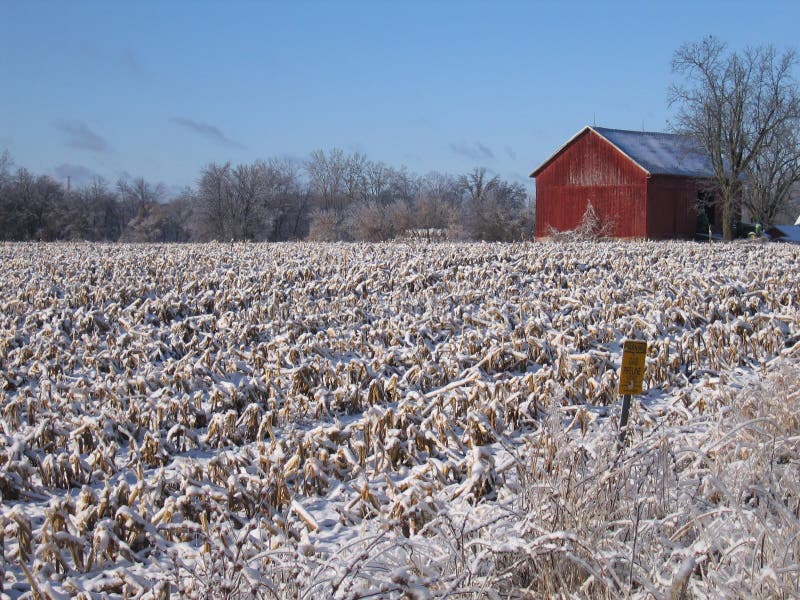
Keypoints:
(642, 184)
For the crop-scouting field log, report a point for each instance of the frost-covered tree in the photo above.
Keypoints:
(325, 226)
(494, 209)
(135, 195)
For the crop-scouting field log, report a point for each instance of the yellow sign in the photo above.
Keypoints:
(632, 372)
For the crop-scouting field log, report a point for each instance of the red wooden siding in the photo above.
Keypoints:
(590, 169)
(671, 207)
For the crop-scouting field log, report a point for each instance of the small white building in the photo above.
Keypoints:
(785, 233)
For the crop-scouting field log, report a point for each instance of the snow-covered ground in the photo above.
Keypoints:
(398, 420)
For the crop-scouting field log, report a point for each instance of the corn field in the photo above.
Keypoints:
(402, 420)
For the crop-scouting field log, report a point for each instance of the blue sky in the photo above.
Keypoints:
(158, 90)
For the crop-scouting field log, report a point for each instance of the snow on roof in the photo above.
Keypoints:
(655, 152)
(661, 153)
(798, 221)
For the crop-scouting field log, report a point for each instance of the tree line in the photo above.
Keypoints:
(330, 196)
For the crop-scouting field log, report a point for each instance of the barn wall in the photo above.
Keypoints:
(591, 169)
(671, 211)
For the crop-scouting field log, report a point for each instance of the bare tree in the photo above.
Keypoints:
(368, 222)
(92, 212)
(476, 184)
(287, 201)
(733, 104)
(377, 181)
(249, 204)
(5, 168)
(791, 211)
(477, 189)
(494, 209)
(136, 195)
(177, 216)
(772, 175)
(212, 203)
(404, 185)
(442, 187)
(432, 212)
(326, 174)
(233, 203)
(160, 222)
(29, 205)
(355, 184)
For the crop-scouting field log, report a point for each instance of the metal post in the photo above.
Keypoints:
(623, 419)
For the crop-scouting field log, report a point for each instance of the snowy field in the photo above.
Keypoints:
(398, 421)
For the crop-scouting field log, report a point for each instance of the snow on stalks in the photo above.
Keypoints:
(397, 420)
(716, 490)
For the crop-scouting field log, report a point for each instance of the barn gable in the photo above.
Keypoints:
(590, 169)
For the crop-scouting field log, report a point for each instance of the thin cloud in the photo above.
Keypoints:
(511, 154)
(422, 122)
(78, 135)
(476, 151)
(130, 61)
(517, 178)
(356, 147)
(175, 191)
(412, 157)
(124, 176)
(77, 174)
(206, 130)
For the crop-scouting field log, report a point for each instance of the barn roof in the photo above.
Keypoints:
(655, 152)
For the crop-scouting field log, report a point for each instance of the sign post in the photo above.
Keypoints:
(631, 375)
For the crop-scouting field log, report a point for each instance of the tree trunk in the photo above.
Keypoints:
(727, 220)
(730, 210)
